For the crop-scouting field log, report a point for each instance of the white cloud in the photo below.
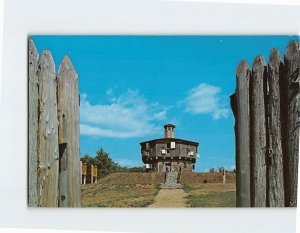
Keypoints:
(205, 99)
(160, 115)
(125, 116)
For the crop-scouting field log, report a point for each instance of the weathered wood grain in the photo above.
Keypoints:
(84, 172)
(95, 173)
(284, 131)
(92, 173)
(258, 133)
(243, 135)
(292, 65)
(68, 115)
(33, 99)
(275, 182)
(81, 172)
(48, 135)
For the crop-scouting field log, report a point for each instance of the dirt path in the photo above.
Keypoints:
(170, 198)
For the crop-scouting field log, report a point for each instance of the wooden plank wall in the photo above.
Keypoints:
(48, 139)
(243, 135)
(33, 101)
(275, 187)
(54, 160)
(266, 107)
(258, 132)
(68, 117)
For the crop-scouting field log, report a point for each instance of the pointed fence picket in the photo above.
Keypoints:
(266, 106)
(54, 160)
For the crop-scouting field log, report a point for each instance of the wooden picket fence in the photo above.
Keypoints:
(266, 106)
(53, 147)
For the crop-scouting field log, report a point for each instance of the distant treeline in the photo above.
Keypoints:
(105, 165)
(220, 169)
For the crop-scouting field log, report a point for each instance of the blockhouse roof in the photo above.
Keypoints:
(163, 140)
(173, 126)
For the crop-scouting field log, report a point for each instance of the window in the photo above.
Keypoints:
(163, 151)
(172, 145)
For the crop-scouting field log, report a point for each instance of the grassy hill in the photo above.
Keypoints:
(139, 189)
(122, 189)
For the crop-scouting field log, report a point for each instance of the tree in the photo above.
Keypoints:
(105, 165)
(212, 170)
(221, 169)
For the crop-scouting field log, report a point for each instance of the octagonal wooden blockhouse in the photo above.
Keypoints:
(169, 154)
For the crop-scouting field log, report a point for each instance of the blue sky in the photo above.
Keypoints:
(131, 86)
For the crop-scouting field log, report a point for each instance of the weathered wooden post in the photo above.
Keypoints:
(224, 175)
(274, 130)
(81, 172)
(242, 135)
(92, 173)
(292, 66)
(275, 181)
(95, 174)
(33, 111)
(54, 165)
(68, 117)
(258, 133)
(84, 173)
(48, 135)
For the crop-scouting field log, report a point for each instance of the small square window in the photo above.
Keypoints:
(172, 145)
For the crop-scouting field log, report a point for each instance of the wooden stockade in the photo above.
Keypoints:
(54, 162)
(266, 106)
(84, 171)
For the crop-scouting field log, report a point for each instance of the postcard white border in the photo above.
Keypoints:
(22, 18)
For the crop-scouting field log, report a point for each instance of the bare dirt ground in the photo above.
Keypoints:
(174, 198)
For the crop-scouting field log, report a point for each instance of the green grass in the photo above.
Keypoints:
(110, 203)
(118, 195)
(213, 199)
(187, 188)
